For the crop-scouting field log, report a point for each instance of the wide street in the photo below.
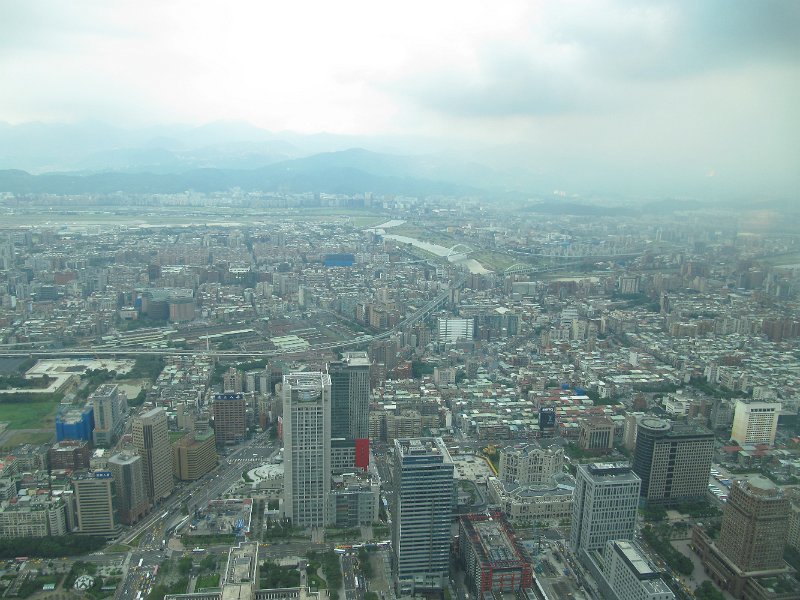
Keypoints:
(153, 533)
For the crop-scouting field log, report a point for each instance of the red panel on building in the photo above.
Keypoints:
(362, 453)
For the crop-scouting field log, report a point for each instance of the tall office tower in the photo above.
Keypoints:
(110, 407)
(604, 507)
(754, 525)
(151, 438)
(423, 509)
(128, 474)
(95, 503)
(755, 422)
(307, 448)
(673, 461)
(230, 418)
(350, 396)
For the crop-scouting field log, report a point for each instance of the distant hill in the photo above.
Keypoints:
(347, 172)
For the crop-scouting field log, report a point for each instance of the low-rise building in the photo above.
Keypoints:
(494, 560)
(69, 454)
(530, 464)
(32, 516)
(549, 502)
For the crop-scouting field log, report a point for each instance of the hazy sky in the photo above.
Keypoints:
(709, 88)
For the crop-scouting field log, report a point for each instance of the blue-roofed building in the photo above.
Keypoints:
(338, 260)
(75, 423)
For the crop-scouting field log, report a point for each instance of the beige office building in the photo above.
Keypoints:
(151, 438)
(755, 422)
(194, 455)
(95, 503)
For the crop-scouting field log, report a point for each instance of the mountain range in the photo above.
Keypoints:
(96, 158)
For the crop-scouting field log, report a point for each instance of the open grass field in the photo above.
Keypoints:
(423, 234)
(496, 261)
(29, 415)
(79, 217)
(792, 259)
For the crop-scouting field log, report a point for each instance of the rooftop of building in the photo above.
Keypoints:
(608, 471)
(241, 567)
(634, 558)
(305, 380)
(69, 445)
(69, 413)
(408, 447)
(759, 486)
(124, 458)
(105, 389)
(493, 539)
(356, 359)
(559, 485)
(91, 475)
(153, 412)
(528, 449)
(195, 438)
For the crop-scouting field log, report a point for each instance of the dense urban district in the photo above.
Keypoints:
(278, 397)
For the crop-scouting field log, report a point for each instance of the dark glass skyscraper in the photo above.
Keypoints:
(423, 509)
(350, 396)
(673, 461)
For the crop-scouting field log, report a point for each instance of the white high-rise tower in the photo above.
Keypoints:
(307, 448)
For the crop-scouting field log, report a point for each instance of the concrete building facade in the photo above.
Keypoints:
(95, 503)
(494, 560)
(132, 502)
(755, 422)
(631, 575)
(350, 387)
(230, 418)
(110, 407)
(606, 500)
(530, 464)
(673, 461)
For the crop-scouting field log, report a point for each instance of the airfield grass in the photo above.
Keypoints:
(29, 415)
(17, 438)
(360, 218)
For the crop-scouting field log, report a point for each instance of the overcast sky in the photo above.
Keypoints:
(705, 89)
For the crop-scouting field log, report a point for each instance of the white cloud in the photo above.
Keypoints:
(705, 84)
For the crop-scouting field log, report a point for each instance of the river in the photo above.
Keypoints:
(459, 259)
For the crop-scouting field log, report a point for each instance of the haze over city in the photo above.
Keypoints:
(612, 99)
